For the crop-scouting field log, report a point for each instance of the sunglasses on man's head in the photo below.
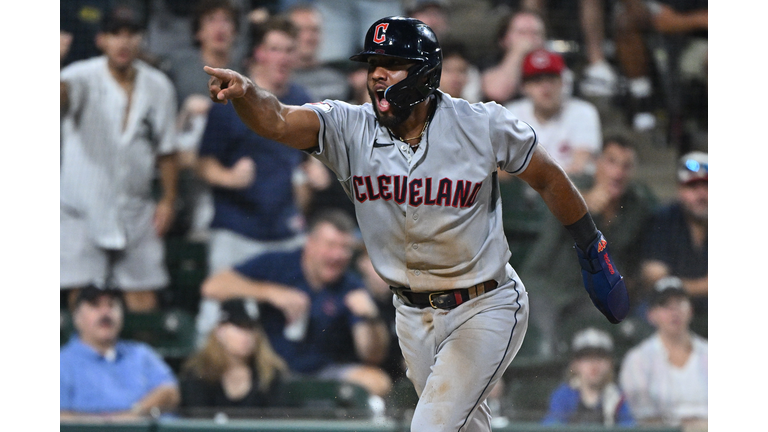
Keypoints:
(694, 165)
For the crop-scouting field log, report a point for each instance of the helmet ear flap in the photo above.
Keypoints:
(422, 80)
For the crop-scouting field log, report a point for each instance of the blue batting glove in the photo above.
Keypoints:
(602, 280)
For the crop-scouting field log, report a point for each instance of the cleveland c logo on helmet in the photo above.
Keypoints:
(379, 35)
(412, 40)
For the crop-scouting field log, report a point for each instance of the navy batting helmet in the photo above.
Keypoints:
(410, 39)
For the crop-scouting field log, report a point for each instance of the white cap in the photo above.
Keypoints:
(591, 339)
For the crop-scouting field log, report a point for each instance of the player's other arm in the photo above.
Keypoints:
(262, 112)
(601, 277)
(545, 176)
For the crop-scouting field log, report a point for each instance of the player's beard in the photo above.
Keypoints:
(397, 115)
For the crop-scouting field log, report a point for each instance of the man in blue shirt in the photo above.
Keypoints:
(102, 377)
(317, 313)
(255, 197)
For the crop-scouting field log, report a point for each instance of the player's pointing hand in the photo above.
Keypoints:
(225, 84)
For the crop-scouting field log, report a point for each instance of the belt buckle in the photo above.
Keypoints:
(433, 294)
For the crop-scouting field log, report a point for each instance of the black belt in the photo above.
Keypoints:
(447, 299)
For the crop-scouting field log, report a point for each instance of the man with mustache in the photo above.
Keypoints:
(103, 378)
(421, 168)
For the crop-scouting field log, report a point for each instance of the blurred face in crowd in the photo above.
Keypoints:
(327, 253)
(614, 169)
(121, 47)
(217, 30)
(358, 81)
(672, 317)
(695, 199)
(275, 57)
(237, 341)
(307, 21)
(593, 370)
(546, 93)
(100, 321)
(525, 31)
(435, 17)
(454, 76)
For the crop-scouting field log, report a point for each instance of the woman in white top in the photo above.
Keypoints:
(665, 377)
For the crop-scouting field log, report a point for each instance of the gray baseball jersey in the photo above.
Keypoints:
(431, 219)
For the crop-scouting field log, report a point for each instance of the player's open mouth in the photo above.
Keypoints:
(382, 103)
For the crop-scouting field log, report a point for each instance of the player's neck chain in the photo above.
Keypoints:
(405, 140)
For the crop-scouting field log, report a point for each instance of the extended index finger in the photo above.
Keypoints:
(217, 82)
(215, 72)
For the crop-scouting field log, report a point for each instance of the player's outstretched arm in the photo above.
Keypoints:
(601, 277)
(262, 112)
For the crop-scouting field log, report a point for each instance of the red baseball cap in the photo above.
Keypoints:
(542, 62)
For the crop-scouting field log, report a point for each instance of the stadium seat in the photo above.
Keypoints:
(523, 212)
(187, 266)
(171, 332)
(311, 393)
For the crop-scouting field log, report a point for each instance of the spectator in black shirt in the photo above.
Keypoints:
(237, 367)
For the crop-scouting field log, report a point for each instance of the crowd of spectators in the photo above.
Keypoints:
(289, 290)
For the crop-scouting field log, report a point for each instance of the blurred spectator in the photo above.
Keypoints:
(214, 30)
(215, 26)
(621, 206)
(590, 394)
(316, 312)
(357, 76)
(171, 21)
(345, 22)
(251, 177)
(598, 77)
(456, 64)
(117, 132)
(433, 13)
(675, 241)
(321, 81)
(567, 127)
(678, 29)
(393, 364)
(665, 377)
(237, 367)
(104, 378)
(455, 74)
(81, 20)
(520, 33)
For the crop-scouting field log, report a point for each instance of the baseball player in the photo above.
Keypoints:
(421, 169)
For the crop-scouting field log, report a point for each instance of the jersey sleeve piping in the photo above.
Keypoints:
(529, 154)
(319, 146)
